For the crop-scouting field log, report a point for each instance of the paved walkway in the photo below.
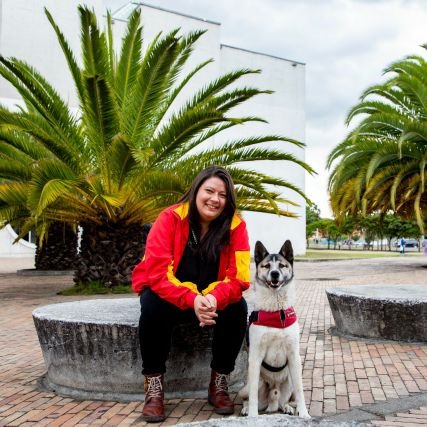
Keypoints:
(384, 383)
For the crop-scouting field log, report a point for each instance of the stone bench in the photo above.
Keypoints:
(395, 312)
(91, 351)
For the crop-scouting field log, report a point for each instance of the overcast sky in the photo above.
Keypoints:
(346, 44)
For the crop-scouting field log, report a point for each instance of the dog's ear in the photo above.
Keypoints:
(260, 252)
(287, 252)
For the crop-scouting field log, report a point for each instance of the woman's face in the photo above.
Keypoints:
(211, 199)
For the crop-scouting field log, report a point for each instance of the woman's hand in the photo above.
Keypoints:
(212, 300)
(205, 309)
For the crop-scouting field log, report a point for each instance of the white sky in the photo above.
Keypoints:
(346, 44)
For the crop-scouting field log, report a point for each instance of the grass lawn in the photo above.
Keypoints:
(96, 288)
(331, 254)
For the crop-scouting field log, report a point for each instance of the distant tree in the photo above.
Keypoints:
(370, 225)
(410, 229)
(312, 215)
(389, 226)
(326, 227)
(392, 228)
(334, 233)
(345, 227)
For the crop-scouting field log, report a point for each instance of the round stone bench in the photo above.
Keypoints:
(91, 351)
(395, 312)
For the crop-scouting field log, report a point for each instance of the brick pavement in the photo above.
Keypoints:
(414, 417)
(339, 374)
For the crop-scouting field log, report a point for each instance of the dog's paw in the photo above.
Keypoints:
(252, 412)
(244, 412)
(306, 416)
(303, 413)
(288, 410)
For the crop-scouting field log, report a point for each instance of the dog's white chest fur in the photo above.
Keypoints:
(277, 345)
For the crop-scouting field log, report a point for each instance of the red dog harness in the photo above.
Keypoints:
(273, 319)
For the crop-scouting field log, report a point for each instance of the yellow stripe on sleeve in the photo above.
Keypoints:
(213, 285)
(243, 260)
(171, 277)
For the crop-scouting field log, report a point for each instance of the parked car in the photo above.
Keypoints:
(409, 243)
(324, 241)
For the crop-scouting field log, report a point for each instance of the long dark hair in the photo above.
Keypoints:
(218, 234)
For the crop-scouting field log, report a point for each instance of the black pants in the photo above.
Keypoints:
(158, 318)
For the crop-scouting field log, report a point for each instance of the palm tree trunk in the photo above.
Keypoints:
(109, 252)
(59, 250)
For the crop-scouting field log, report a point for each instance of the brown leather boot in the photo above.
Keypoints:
(154, 410)
(218, 395)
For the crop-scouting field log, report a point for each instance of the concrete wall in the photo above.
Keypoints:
(8, 249)
(285, 112)
(26, 34)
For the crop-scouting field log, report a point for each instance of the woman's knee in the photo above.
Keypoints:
(153, 306)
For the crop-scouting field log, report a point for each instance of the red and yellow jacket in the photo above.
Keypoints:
(165, 246)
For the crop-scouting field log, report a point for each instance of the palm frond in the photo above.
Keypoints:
(130, 56)
(69, 56)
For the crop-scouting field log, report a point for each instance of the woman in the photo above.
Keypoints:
(195, 268)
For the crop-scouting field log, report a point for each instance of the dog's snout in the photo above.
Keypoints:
(275, 275)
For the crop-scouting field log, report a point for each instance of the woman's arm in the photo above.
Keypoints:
(156, 270)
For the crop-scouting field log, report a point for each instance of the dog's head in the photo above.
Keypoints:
(274, 270)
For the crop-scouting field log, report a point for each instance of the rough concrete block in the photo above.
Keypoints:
(91, 350)
(395, 312)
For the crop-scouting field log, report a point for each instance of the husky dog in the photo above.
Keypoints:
(275, 372)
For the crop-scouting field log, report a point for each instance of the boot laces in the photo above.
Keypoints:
(221, 383)
(155, 387)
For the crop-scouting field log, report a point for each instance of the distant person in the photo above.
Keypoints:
(402, 246)
(425, 245)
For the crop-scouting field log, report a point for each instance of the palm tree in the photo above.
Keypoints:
(380, 166)
(58, 249)
(130, 150)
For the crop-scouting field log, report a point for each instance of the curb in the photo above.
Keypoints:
(380, 410)
(34, 272)
(359, 416)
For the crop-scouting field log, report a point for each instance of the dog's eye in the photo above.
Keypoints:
(282, 265)
(266, 266)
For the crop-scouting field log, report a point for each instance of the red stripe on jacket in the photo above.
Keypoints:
(165, 246)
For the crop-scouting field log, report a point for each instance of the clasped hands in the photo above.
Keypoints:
(205, 309)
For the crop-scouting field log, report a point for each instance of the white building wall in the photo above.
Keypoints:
(8, 249)
(284, 110)
(25, 33)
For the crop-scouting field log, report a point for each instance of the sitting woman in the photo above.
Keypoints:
(195, 268)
